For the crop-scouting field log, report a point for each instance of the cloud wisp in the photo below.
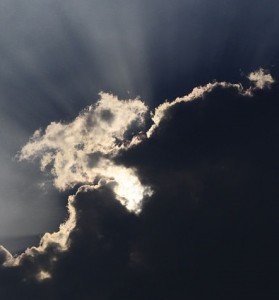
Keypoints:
(81, 154)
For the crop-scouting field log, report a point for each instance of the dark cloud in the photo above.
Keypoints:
(208, 232)
(210, 228)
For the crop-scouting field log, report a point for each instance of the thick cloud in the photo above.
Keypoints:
(208, 231)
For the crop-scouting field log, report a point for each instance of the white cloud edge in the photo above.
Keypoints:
(260, 78)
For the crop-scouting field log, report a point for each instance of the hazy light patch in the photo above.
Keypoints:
(26, 211)
(43, 275)
(129, 190)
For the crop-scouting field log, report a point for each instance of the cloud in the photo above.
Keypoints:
(197, 92)
(59, 240)
(209, 166)
(5, 255)
(261, 79)
(82, 151)
(213, 215)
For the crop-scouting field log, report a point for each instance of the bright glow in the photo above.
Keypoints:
(43, 275)
(129, 191)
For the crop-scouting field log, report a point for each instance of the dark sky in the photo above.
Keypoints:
(210, 228)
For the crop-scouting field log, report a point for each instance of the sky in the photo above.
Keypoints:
(139, 149)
